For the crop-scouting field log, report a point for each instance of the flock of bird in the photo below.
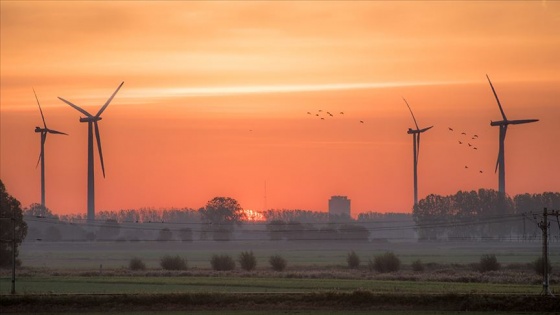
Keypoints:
(464, 140)
(322, 115)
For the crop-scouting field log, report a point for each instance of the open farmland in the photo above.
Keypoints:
(92, 255)
(89, 272)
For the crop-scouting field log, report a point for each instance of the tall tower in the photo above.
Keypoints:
(339, 209)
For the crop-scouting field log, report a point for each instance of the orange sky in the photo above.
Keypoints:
(216, 94)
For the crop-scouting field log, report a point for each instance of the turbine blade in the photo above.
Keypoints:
(99, 147)
(501, 153)
(76, 107)
(426, 129)
(411, 113)
(42, 116)
(56, 132)
(39, 160)
(43, 140)
(497, 99)
(108, 101)
(522, 121)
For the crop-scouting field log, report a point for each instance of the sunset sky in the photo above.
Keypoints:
(216, 95)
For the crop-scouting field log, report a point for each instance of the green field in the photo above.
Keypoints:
(92, 255)
(234, 284)
(93, 276)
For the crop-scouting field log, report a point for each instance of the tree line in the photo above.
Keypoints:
(482, 214)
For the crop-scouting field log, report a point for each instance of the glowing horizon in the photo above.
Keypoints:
(216, 97)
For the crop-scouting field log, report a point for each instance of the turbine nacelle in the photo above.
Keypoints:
(413, 131)
(90, 119)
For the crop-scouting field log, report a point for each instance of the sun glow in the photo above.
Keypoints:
(251, 215)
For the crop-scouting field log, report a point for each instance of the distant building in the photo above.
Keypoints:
(339, 208)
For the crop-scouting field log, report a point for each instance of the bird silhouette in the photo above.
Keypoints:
(308, 113)
(361, 121)
(450, 129)
(320, 110)
(466, 166)
(463, 133)
(460, 142)
(480, 172)
(475, 148)
(470, 145)
(475, 136)
(342, 113)
(317, 115)
(322, 118)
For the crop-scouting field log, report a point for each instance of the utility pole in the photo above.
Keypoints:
(14, 251)
(544, 225)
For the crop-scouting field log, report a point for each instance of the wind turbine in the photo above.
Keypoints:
(503, 124)
(416, 149)
(43, 131)
(92, 124)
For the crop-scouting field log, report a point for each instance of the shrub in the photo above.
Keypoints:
(277, 262)
(387, 262)
(136, 264)
(417, 266)
(488, 263)
(247, 261)
(222, 262)
(186, 234)
(538, 266)
(353, 260)
(165, 235)
(173, 263)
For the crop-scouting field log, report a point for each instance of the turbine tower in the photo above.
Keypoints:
(416, 149)
(503, 124)
(92, 124)
(43, 131)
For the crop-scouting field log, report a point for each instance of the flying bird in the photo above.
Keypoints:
(322, 118)
(342, 113)
(463, 133)
(308, 113)
(361, 121)
(475, 136)
(460, 142)
(466, 166)
(450, 129)
(480, 172)
(475, 148)
(470, 145)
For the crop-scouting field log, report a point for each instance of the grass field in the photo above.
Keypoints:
(91, 255)
(75, 277)
(189, 284)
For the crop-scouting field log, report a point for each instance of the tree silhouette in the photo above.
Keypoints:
(221, 215)
(10, 208)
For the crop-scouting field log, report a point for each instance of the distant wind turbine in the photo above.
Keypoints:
(503, 124)
(416, 149)
(92, 122)
(44, 131)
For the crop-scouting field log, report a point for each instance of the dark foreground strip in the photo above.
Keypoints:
(357, 300)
